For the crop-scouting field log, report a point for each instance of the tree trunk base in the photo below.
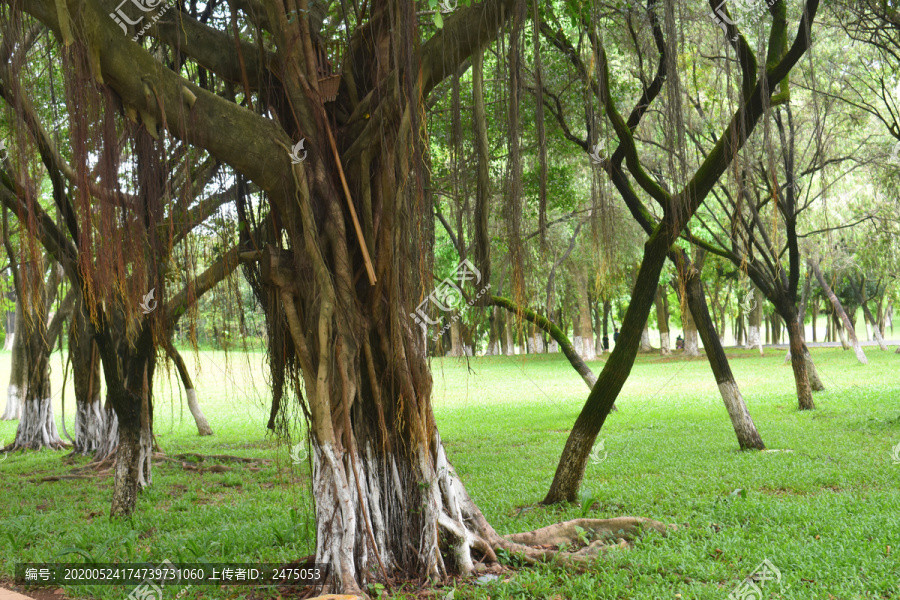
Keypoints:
(89, 428)
(37, 428)
(203, 427)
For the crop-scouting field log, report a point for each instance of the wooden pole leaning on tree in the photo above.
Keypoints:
(370, 270)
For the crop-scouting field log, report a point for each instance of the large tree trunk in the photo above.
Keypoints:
(839, 309)
(37, 427)
(744, 428)
(89, 423)
(662, 321)
(18, 378)
(128, 366)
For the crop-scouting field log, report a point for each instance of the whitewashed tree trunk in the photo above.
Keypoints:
(691, 337)
(553, 347)
(18, 376)
(665, 344)
(535, 343)
(645, 340)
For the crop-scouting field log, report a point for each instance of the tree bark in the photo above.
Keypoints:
(799, 359)
(747, 435)
(863, 301)
(839, 310)
(18, 378)
(585, 324)
(190, 392)
(691, 340)
(89, 425)
(662, 321)
(754, 339)
(570, 470)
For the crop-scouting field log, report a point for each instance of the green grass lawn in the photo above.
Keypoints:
(827, 514)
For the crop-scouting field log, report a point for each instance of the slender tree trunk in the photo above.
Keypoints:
(646, 346)
(584, 321)
(867, 314)
(13, 319)
(493, 348)
(839, 309)
(691, 340)
(18, 378)
(456, 348)
(570, 470)
(662, 321)
(190, 392)
(815, 319)
(754, 340)
(747, 435)
(565, 345)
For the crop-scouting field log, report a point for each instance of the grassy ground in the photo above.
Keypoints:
(826, 514)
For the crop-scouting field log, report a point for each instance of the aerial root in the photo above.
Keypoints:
(587, 538)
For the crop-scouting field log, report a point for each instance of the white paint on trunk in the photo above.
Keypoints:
(9, 341)
(493, 348)
(860, 355)
(645, 340)
(743, 424)
(145, 474)
(843, 335)
(665, 343)
(88, 426)
(577, 344)
(203, 427)
(691, 343)
(554, 346)
(879, 339)
(753, 338)
(536, 343)
(37, 428)
(14, 399)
